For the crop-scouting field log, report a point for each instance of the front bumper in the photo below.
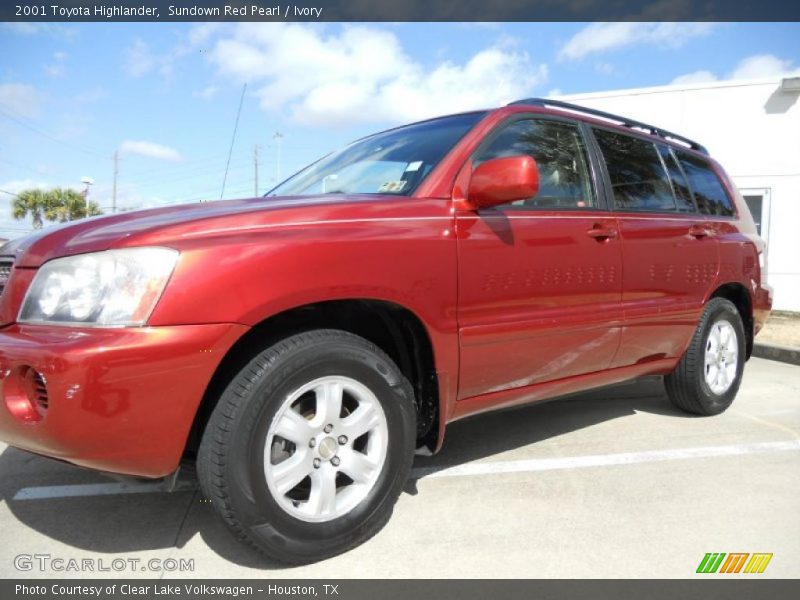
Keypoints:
(120, 400)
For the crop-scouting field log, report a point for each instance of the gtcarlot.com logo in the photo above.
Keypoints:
(735, 562)
(59, 564)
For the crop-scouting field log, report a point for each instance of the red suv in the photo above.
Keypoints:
(300, 347)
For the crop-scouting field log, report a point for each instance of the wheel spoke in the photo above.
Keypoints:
(713, 341)
(722, 378)
(293, 427)
(288, 473)
(712, 372)
(329, 402)
(322, 499)
(360, 422)
(359, 467)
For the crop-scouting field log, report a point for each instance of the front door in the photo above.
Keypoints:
(539, 279)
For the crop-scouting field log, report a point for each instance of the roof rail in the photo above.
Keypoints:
(624, 121)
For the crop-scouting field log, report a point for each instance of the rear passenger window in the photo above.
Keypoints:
(680, 186)
(560, 154)
(638, 177)
(709, 193)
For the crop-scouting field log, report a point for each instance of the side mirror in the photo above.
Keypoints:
(502, 180)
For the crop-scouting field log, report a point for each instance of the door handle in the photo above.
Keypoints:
(700, 231)
(602, 234)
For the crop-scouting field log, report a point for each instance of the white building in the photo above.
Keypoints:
(753, 128)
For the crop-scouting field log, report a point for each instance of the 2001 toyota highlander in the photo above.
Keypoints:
(301, 346)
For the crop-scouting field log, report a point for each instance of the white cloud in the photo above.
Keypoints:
(150, 150)
(91, 95)
(363, 74)
(760, 65)
(57, 68)
(701, 76)
(604, 68)
(17, 185)
(604, 37)
(65, 32)
(207, 92)
(21, 98)
(752, 67)
(199, 34)
(139, 60)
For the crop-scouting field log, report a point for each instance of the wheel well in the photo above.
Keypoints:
(737, 293)
(393, 328)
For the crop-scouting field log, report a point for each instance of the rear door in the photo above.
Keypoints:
(669, 251)
(539, 279)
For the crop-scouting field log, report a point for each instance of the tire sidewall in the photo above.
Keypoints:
(721, 310)
(265, 519)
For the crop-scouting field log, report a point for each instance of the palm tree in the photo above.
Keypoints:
(31, 203)
(67, 205)
(56, 205)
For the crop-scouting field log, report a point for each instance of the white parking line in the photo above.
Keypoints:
(603, 460)
(480, 468)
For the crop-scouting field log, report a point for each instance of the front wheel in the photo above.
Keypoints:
(707, 378)
(309, 446)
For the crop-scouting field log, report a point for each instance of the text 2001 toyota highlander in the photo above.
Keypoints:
(301, 346)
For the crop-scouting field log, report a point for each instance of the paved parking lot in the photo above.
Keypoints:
(614, 483)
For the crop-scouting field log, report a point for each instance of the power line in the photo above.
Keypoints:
(233, 139)
(181, 175)
(19, 121)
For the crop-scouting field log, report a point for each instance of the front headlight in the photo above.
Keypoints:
(115, 288)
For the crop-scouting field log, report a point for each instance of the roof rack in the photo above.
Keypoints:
(624, 121)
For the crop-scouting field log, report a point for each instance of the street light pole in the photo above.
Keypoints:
(87, 181)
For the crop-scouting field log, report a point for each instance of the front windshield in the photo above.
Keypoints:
(392, 162)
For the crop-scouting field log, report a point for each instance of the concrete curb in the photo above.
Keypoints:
(774, 352)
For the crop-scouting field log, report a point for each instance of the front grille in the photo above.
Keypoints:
(5, 272)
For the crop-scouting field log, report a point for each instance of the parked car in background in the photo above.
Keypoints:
(301, 346)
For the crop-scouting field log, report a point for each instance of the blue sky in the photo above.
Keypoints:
(165, 95)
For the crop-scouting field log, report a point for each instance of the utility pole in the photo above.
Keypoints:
(278, 137)
(114, 188)
(255, 167)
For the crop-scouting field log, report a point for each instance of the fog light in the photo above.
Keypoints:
(25, 394)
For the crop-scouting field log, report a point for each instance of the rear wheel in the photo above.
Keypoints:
(309, 446)
(706, 380)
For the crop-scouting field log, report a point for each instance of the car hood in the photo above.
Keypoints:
(101, 233)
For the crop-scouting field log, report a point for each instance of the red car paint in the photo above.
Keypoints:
(517, 306)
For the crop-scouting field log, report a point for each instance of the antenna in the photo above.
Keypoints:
(233, 139)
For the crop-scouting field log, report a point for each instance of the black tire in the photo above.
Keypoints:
(230, 462)
(686, 386)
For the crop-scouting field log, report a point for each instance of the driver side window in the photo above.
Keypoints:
(560, 154)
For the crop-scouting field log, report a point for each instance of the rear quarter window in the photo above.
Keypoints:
(639, 180)
(709, 192)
